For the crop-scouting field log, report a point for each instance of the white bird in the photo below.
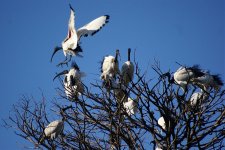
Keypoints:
(127, 70)
(162, 123)
(53, 129)
(70, 44)
(72, 81)
(158, 148)
(185, 75)
(207, 80)
(131, 106)
(197, 97)
(110, 67)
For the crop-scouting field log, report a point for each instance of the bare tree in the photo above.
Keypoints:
(100, 120)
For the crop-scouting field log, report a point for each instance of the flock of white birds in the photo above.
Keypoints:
(187, 76)
(118, 79)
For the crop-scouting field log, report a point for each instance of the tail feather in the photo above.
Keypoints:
(218, 80)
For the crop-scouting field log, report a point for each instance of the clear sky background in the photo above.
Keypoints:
(185, 31)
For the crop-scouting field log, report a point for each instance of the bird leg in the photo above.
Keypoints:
(65, 61)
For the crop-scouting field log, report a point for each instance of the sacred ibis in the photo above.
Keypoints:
(198, 97)
(207, 80)
(131, 106)
(162, 123)
(53, 129)
(72, 81)
(127, 70)
(71, 44)
(185, 75)
(110, 67)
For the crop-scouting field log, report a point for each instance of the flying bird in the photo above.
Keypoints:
(53, 130)
(127, 70)
(72, 81)
(110, 67)
(71, 44)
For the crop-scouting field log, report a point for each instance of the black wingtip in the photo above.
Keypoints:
(218, 79)
(107, 17)
(79, 48)
(71, 7)
(197, 71)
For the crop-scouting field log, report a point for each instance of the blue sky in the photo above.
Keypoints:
(189, 32)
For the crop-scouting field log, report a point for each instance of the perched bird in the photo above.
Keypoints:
(162, 123)
(127, 70)
(185, 75)
(70, 45)
(52, 130)
(72, 81)
(131, 106)
(158, 148)
(197, 97)
(207, 80)
(110, 67)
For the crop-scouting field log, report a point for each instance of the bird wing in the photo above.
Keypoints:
(71, 40)
(92, 27)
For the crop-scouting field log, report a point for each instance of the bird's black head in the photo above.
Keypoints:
(55, 50)
(197, 71)
(117, 54)
(75, 66)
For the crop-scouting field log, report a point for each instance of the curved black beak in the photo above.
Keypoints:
(129, 50)
(61, 73)
(55, 50)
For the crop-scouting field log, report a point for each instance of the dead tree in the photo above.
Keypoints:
(100, 121)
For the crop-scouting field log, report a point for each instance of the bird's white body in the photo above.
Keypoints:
(110, 67)
(195, 97)
(127, 72)
(75, 90)
(162, 123)
(72, 83)
(54, 129)
(182, 76)
(131, 106)
(157, 148)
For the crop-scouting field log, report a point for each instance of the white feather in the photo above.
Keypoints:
(70, 42)
(92, 27)
(131, 106)
(162, 123)
(54, 129)
(70, 89)
(127, 72)
(109, 67)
